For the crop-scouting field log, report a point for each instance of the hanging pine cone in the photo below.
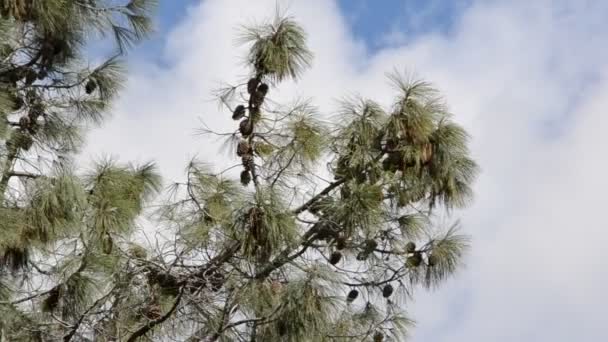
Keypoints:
(239, 112)
(410, 247)
(42, 74)
(107, 244)
(17, 102)
(23, 140)
(255, 216)
(362, 256)
(335, 258)
(58, 47)
(247, 161)
(392, 162)
(52, 300)
(378, 337)
(245, 177)
(90, 86)
(415, 260)
(243, 148)
(246, 127)
(263, 89)
(252, 85)
(370, 246)
(432, 260)
(282, 327)
(340, 243)
(352, 295)
(30, 76)
(260, 95)
(387, 291)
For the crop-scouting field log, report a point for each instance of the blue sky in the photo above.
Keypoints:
(370, 21)
(527, 79)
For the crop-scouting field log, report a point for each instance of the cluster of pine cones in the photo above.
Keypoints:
(257, 94)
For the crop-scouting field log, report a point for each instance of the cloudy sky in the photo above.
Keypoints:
(528, 79)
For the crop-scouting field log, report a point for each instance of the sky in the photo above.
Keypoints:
(527, 79)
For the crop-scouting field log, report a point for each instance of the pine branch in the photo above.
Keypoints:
(68, 337)
(317, 197)
(24, 175)
(146, 328)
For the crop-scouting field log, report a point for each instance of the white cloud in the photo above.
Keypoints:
(537, 269)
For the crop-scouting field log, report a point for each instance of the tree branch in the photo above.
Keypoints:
(311, 201)
(146, 328)
(72, 333)
(24, 175)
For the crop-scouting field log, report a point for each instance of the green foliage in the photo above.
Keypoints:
(308, 137)
(278, 259)
(116, 195)
(56, 225)
(305, 311)
(299, 143)
(444, 256)
(278, 49)
(268, 225)
(359, 208)
(413, 226)
(56, 205)
(390, 167)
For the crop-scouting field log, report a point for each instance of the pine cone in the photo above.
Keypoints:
(340, 243)
(362, 256)
(90, 86)
(247, 161)
(30, 77)
(432, 260)
(352, 295)
(243, 148)
(282, 327)
(370, 246)
(410, 247)
(107, 244)
(246, 127)
(415, 260)
(245, 177)
(52, 300)
(17, 102)
(387, 291)
(263, 89)
(252, 85)
(239, 112)
(335, 258)
(260, 95)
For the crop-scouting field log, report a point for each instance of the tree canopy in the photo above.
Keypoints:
(279, 253)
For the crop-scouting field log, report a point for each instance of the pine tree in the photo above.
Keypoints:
(283, 254)
(275, 252)
(60, 228)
